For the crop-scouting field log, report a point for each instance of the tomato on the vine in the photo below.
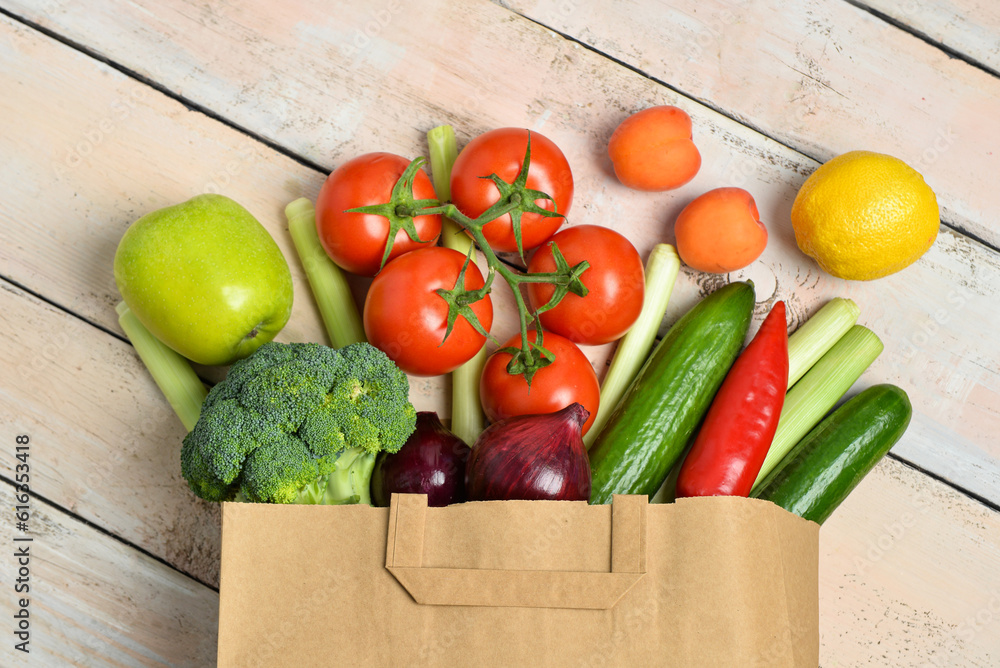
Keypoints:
(614, 280)
(406, 318)
(501, 152)
(570, 378)
(356, 241)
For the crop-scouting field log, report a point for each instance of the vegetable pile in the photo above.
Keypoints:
(696, 414)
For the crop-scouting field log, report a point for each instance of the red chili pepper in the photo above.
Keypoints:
(738, 429)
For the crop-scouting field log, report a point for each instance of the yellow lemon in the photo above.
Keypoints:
(865, 215)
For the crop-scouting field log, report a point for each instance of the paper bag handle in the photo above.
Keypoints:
(510, 588)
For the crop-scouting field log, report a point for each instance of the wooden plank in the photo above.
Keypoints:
(908, 576)
(826, 78)
(956, 283)
(968, 27)
(95, 601)
(877, 612)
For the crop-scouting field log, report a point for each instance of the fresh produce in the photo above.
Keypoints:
(486, 174)
(327, 281)
(819, 390)
(298, 423)
(172, 373)
(650, 428)
(632, 350)
(364, 201)
(818, 334)
(205, 278)
(413, 314)
(531, 457)
(431, 462)
(304, 423)
(830, 461)
(569, 379)
(614, 285)
(739, 426)
(652, 149)
(467, 419)
(720, 231)
(865, 215)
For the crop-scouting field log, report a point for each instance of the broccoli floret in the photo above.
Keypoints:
(298, 423)
(200, 477)
(277, 470)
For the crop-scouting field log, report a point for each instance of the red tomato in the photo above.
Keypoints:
(356, 241)
(501, 152)
(570, 378)
(615, 283)
(405, 318)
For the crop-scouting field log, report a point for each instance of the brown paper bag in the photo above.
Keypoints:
(705, 582)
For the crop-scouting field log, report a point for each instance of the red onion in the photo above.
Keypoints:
(531, 457)
(431, 462)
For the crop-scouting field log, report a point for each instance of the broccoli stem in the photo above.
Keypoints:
(327, 280)
(349, 483)
(173, 373)
(467, 419)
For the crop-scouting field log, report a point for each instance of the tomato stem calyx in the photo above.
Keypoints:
(401, 208)
(528, 359)
(459, 299)
(517, 199)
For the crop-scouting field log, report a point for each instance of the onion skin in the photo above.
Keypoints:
(431, 462)
(531, 457)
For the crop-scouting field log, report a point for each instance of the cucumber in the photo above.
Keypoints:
(661, 409)
(822, 469)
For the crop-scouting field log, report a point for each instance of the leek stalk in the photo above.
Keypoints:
(812, 340)
(662, 268)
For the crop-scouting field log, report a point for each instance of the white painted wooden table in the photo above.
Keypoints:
(112, 109)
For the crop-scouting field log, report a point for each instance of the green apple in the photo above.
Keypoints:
(205, 278)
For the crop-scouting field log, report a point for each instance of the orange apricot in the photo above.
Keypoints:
(720, 231)
(652, 149)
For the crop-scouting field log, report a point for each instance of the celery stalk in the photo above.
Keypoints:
(633, 348)
(467, 419)
(172, 372)
(329, 285)
(813, 339)
(819, 390)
